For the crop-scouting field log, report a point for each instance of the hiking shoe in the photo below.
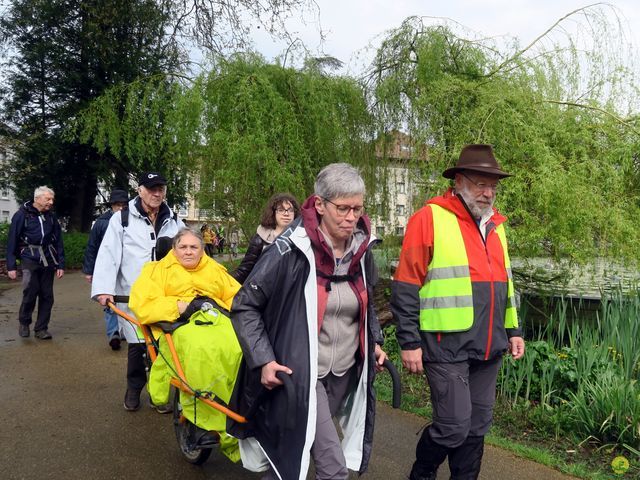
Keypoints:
(114, 341)
(200, 437)
(23, 330)
(132, 400)
(165, 408)
(43, 335)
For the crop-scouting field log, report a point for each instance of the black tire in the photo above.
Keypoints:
(196, 456)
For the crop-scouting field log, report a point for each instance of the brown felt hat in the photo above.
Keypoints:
(478, 158)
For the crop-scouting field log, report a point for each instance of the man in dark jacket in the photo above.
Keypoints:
(454, 306)
(35, 237)
(118, 200)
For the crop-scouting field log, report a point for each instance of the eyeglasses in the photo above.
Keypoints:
(283, 211)
(343, 210)
(483, 186)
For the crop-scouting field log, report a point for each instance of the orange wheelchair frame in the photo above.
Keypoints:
(196, 454)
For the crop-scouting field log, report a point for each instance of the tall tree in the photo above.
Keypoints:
(63, 55)
(60, 55)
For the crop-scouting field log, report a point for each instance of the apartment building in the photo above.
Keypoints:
(398, 184)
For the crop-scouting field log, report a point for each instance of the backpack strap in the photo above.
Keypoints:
(124, 217)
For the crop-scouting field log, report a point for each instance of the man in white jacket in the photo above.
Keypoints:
(130, 242)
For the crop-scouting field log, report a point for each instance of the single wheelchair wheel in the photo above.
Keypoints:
(182, 427)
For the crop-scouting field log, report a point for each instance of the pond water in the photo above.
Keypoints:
(546, 277)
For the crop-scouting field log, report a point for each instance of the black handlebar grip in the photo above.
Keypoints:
(291, 405)
(395, 378)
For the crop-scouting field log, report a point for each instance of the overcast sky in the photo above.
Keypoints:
(350, 25)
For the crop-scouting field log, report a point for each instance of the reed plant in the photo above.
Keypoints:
(581, 372)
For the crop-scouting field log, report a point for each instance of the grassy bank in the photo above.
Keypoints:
(573, 401)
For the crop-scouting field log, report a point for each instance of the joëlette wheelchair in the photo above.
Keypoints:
(197, 450)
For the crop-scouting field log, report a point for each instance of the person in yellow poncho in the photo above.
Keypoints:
(207, 345)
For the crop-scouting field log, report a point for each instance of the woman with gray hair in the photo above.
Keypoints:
(304, 310)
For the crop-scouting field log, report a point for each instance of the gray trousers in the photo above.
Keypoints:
(326, 450)
(462, 396)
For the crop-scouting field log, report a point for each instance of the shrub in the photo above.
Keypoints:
(74, 245)
(4, 231)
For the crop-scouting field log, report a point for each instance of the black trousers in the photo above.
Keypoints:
(136, 371)
(37, 285)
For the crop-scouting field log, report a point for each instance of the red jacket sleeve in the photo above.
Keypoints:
(415, 256)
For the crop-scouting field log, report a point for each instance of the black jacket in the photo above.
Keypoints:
(30, 229)
(271, 316)
(254, 250)
(95, 239)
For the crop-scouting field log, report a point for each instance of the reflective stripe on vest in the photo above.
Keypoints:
(511, 314)
(446, 301)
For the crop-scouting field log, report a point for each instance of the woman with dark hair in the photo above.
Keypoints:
(280, 211)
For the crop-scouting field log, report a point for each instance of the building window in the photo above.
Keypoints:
(399, 230)
(205, 214)
(380, 230)
(4, 216)
(5, 194)
(399, 209)
(401, 187)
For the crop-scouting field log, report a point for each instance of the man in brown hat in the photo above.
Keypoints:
(454, 306)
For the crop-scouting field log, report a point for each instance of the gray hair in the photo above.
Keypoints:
(187, 231)
(41, 190)
(338, 180)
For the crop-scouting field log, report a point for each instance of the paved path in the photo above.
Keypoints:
(62, 417)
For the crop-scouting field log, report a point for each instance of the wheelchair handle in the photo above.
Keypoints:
(395, 379)
(290, 393)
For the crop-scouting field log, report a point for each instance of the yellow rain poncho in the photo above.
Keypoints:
(206, 346)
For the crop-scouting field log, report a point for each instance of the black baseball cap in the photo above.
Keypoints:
(151, 179)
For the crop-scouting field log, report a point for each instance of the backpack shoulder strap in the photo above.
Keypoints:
(124, 217)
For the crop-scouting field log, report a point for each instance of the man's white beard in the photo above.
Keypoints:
(477, 210)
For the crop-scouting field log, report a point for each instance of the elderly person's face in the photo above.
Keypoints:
(339, 216)
(478, 191)
(117, 206)
(188, 250)
(152, 197)
(43, 202)
(284, 214)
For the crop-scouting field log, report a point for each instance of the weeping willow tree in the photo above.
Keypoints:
(560, 112)
(149, 124)
(238, 134)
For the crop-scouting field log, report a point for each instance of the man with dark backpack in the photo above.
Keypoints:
(129, 242)
(117, 201)
(35, 237)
